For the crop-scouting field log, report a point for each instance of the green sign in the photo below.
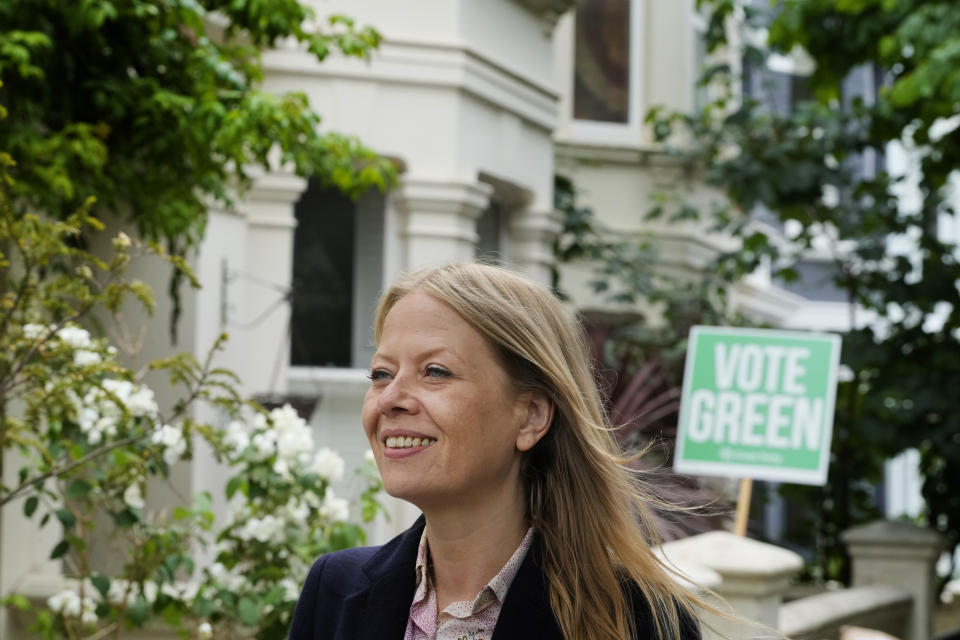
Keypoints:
(758, 404)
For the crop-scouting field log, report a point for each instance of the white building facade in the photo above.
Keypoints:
(480, 103)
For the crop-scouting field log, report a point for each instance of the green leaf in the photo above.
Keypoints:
(30, 505)
(138, 611)
(249, 612)
(101, 584)
(204, 607)
(77, 489)
(126, 518)
(56, 450)
(202, 501)
(236, 483)
(172, 614)
(60, 550)
(16, 601)
(66, 518)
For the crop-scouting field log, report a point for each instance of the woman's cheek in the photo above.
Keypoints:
(368, 416)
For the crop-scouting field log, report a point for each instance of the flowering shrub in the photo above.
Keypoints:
(90, 435)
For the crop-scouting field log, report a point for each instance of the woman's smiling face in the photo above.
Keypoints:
(435, 379)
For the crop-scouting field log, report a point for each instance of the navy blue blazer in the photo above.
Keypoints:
(365, 594)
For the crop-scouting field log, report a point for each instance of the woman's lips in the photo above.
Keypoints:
(406, 452)
(405, 445)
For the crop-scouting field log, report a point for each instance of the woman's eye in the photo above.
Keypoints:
(435, 371)
(378, 374)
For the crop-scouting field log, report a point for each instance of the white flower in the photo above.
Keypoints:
(291, 590)
(118, 590)
(137, 399)
(217, 571)
(312, 499)
(171, 438)
(205, 631)
(236, 508)
(236, 438)
(368, 456)
(334, 508)
(133, 497)
(141, 402)
(295, 511)
(285, 418)
(101, 411)
(184, 591)
(327, 464)
(264, 529)
(89, 615)
(231, 579)
(150, 591)
(68, 603)
(281, 468)
(94, 437)
(294, 438)
(75, 337)
(63, 601)
(33, 331)
(264, 444)
(85, 357)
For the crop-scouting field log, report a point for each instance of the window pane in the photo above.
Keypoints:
(488, 231)
(601, 87)
(323, 258)
(816, 282)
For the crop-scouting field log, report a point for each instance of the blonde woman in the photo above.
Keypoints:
(482, 411)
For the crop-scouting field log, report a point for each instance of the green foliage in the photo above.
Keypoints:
(628, 270)
(89, 438)
(154, 106)
(801, 166)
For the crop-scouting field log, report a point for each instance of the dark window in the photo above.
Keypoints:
(601, 79)
(488, 231)
(323, 258)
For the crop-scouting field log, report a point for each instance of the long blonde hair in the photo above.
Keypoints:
(593, 514)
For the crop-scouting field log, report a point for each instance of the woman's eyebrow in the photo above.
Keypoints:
(421, 355)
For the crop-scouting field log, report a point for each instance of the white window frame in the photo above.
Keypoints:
(629, 133)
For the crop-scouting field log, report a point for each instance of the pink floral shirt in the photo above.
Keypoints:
(460, 620)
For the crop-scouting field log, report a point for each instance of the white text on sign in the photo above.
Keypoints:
(759, 399)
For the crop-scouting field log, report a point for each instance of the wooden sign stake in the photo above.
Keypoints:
(743, 507)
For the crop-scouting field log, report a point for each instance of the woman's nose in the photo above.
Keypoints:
(397, 397)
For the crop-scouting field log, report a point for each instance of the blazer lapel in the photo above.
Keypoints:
(381, 611)
(526, 611)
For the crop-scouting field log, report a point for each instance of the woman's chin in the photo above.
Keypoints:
(413, 490)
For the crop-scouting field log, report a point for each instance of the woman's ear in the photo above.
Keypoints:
(539, 418)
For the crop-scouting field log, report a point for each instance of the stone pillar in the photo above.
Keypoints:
(531, 243)
(268, 209)
(753, 575)
(259, 243)
(900, 554)
(439, 220)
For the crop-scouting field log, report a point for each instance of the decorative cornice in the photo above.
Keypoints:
(434, 64)
(444, 196)
(577, 150)
(279, 186)
(442, 208)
